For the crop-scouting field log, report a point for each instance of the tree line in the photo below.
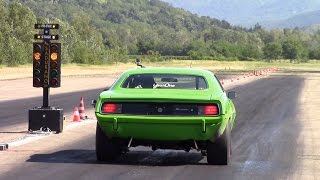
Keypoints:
(107, 31)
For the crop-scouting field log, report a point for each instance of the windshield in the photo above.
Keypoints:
(165, 81)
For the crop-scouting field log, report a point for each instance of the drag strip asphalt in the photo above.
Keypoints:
(14, 112)
(264, 145)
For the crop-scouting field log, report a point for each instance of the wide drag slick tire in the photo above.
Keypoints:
(219, 151)
(107, 149)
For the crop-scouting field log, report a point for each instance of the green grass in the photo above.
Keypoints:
(215, 66)
(240, 65)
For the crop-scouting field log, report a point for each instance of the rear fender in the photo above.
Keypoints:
(222, 127)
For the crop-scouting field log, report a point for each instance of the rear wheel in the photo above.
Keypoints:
(107, 149)
(218, 152)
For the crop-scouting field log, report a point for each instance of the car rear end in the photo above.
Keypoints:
(165, 107)
(160, 119)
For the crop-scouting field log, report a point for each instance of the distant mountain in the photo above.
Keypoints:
(248, 12)
(106, 31)
(312, 29)
(302, 20)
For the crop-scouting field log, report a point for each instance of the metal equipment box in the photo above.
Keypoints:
(46, 118)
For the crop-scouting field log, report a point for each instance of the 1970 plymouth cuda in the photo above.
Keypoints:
(165, 108)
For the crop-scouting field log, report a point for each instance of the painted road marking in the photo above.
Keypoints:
(34, 137)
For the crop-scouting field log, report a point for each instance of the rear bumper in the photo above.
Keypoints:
(163, 128)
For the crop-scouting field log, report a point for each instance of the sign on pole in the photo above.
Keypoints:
(46, 26)
(46, 37)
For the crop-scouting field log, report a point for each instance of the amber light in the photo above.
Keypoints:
(37, 56)
(54, 56)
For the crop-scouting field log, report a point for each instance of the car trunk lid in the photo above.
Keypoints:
(159, 102)
(161, 95)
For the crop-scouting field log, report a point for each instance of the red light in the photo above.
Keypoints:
(109, 108)
(211, 110)
(36, 82)
(54, 82)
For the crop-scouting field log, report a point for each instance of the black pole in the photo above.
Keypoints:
(46, 88)
(46, 97)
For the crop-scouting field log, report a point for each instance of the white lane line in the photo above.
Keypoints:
(34, 137)
(2, 99)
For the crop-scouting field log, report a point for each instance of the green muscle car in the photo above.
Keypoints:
(165, 108)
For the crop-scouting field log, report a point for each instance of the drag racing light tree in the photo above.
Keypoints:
(55, 65)
(46, 73)
(37, 64)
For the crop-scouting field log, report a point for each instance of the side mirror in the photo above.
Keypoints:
(93, 103)
(232, 95)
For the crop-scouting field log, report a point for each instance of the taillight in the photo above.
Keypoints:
(211, 109)
(111, 108)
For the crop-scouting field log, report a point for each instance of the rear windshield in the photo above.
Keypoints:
(165, 81)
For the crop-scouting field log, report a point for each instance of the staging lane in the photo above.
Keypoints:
(15, 112)
(264, 145)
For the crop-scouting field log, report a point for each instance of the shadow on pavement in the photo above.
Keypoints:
(141, 158)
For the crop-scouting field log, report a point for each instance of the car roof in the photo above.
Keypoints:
(169, 70)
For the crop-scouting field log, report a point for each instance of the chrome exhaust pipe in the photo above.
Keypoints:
(129, 144)
(196, 145)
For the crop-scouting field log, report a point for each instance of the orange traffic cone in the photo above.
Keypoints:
(81, 109)
(76, 116)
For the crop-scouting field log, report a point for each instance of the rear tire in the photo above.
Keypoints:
(218, 152)
(107, 149)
